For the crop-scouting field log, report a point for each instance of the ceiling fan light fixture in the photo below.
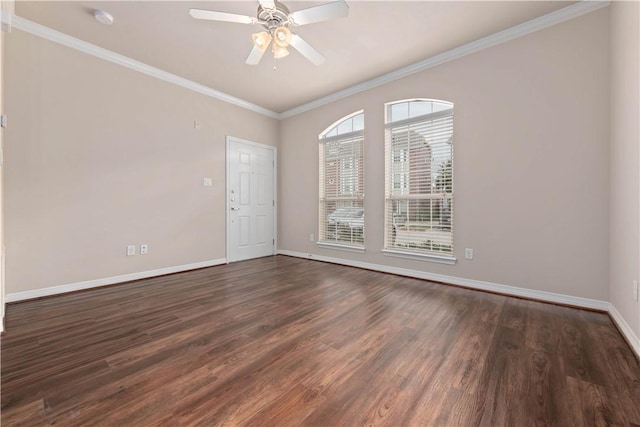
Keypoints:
(276, 19)
(261, 40)
(279, 51)
(282, 36)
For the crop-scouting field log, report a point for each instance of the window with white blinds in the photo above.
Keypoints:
(419, 184)
(342, 183)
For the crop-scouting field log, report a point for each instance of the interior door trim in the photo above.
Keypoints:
(229, 140)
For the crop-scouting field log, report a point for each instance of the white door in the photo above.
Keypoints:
(250, 200)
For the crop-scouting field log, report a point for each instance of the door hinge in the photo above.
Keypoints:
(273, 202)
(274, 242)
(3, 120)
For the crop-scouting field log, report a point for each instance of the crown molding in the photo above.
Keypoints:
(553, 18)
(91, 49)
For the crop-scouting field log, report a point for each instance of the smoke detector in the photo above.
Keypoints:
(103, 17)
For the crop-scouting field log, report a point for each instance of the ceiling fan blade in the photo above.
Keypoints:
(267, 4)
(324, 12)
(255, 56)
(212, 15)
(306, 49)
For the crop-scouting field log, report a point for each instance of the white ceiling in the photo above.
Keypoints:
(377, 37)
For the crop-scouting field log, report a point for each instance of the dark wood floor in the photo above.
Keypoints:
(281, 341)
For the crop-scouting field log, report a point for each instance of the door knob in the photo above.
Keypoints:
(235, 209)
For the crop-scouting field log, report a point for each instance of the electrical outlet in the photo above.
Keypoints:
(144, 249)
(311, 238)
(468, 253)
(131, 250)
(635, 290)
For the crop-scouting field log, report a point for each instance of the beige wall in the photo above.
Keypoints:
(531, 161)
(625, 142)
(98, 159)
(99, 156)
(2, 291)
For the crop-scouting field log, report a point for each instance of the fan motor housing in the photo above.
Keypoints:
(273, 18)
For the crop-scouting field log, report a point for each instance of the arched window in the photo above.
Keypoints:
(419, 179)
(341, 193)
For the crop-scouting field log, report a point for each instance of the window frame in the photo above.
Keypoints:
(392, 169)
(351, 190)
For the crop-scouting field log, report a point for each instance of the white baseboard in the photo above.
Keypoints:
(591, 304)
(625, 329)
(54, 290)
(587, 303)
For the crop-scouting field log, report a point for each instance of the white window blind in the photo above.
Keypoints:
(341, 205)
(419, 172)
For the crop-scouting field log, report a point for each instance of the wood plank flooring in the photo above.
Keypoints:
(281, 341)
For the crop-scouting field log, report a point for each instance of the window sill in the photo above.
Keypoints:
(419, 256)
(346, 248)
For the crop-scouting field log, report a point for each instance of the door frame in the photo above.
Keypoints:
(229, 140)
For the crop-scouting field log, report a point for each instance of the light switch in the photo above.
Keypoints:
(468, 253)
(207, 182)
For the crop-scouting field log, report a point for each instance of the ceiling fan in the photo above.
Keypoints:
(276, 19)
